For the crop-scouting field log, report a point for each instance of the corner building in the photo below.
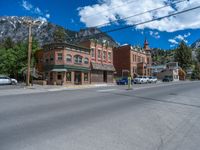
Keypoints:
(64, 64)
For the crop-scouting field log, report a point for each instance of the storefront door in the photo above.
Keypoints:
(77, 77)
(104, 76)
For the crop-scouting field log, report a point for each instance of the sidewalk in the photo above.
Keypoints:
(48, 88)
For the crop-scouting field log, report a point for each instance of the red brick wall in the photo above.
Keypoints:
(121, 59)
(96, 76)
(64, 54)
(39, 57)
(102, 48)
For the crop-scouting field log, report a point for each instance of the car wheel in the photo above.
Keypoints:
(13, 83)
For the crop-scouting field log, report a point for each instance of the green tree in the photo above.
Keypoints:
(196, 71)
(14, 59)
(8, 43)
(183, 55)
(59, 35)
(198, 54)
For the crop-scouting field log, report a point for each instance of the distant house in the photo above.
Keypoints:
(171, 70)
(157, 69)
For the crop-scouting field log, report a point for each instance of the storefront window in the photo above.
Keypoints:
(68, 76)
(85, 76)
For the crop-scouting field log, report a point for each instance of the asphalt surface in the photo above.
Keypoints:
(156, 117)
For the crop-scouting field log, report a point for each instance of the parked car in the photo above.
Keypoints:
(123, 81)
(4, 80)
(152, 79)
(140, 80)
(167, 79)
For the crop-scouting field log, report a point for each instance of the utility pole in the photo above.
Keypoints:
(29, 55)
(30, 23)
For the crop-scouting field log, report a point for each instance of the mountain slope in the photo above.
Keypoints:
(15, 27)
(196, 44)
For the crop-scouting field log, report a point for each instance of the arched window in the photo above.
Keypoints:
(78, 59)
(86, 60)
(69, 58)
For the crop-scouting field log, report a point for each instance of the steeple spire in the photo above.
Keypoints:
(146, 44)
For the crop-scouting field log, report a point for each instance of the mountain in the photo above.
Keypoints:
(16, 28)
(196, 44)
(43, 32)
(94, 33)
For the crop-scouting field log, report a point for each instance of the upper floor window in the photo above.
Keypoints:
(104, 55)
(109, 56)
(69, 58)
(86, 60)
(78, 59)
(59, 56)
(51, 57)
(92, 52)
(133, 58)
(99, 53)
(143, 59)
(46, 58)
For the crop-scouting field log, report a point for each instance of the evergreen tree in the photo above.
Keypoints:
(59, 35)
(196, 71)
(198, 54)
(8, 43)
(183, 55)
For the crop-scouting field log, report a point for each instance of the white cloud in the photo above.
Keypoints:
(102, 13)
(27, 5)
(48, 15)
(154, 34)
(37, 11)
(179, 37)
(42, 19)
(175, 41)
(34, 10)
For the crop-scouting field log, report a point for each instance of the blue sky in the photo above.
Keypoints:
(77, 14)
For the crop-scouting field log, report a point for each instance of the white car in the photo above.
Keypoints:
(140, 80)
(153, 79)
(4, 80)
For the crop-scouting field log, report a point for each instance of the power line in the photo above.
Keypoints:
(116, 6)
(135, 15)
(152, 20)
(159, 18)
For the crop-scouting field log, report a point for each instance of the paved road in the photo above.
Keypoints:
(153, 118)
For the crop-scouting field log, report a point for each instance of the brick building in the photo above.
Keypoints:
(63, 63)
(102, 69)
(134, 61)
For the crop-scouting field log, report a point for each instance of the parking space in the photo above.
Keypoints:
(19, 85)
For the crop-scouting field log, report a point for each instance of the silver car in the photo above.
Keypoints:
(4, 80)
